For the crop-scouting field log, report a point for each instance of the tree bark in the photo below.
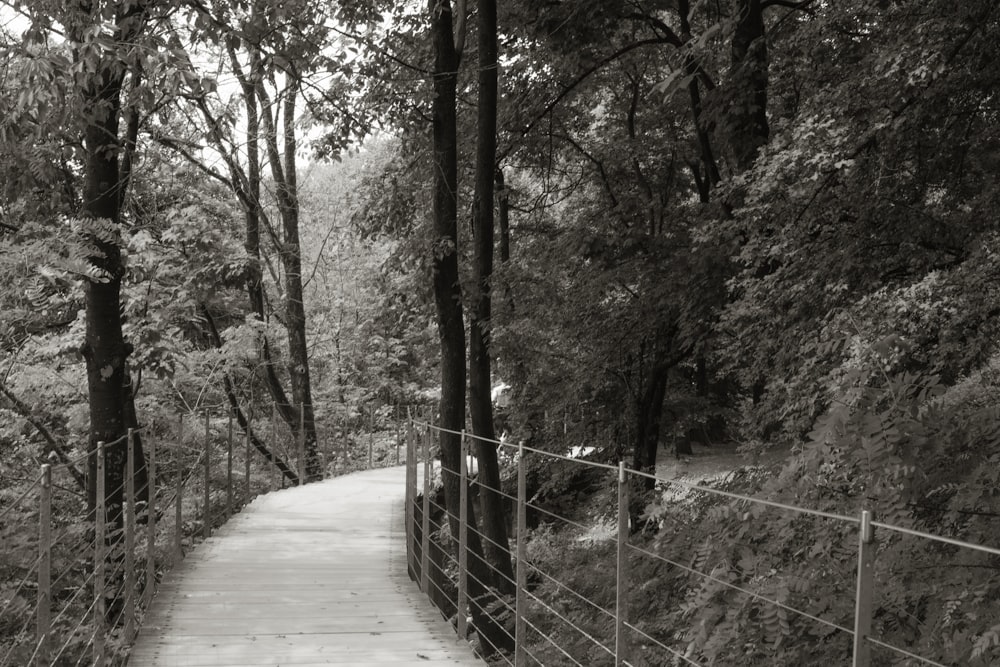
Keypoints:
(480, 375)
(750, 76)
(284, 175)
(447, 299)
(105, 350)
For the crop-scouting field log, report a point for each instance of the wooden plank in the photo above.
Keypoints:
(305, 576)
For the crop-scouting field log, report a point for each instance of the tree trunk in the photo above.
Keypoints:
(104, 349)
(649, 414)
(711, 176)
(247, 189)
(447, 299)
(750, 130)
(480, 376)
(284, 174)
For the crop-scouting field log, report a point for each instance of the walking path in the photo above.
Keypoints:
(313, 575)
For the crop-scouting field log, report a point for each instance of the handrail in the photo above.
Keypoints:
(532, 608)
(186, 499)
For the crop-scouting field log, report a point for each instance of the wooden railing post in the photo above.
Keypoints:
(520, 600)
(206, 519)
(43, 612)
(863, 598)
(128, 609)
(621, 580)
(229, 467)
(425, 535)
(463, 538)
(147, 591)
(100, 522)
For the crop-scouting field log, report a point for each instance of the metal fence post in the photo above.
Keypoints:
(621, 579)
(229, 467)
(147, 591)
(44, 603)
(246, 457)
(302, 443)
(520, 627)
(425, 535)
(463, 538)
(128, 611)
(863, 599)
(100, 521)
(411, 496)
(178, 496)
(206, 523)
(275, 473)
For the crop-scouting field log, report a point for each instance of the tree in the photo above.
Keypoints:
(480, 376)
(447, 297)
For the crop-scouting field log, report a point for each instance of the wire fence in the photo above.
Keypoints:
(581, 620)
(75, 590)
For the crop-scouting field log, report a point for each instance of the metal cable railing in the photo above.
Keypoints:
(532, 606)
(87, 586)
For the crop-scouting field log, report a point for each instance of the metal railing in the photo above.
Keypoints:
(84, 585)
(615, 641)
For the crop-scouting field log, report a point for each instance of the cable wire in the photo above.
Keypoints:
(896, 649)
(662, 645)
(551, 641)
(570, 623)
(757, 596)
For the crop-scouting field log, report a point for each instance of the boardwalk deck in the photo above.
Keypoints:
(314, 575)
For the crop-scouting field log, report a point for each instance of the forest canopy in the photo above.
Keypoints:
(769, 224)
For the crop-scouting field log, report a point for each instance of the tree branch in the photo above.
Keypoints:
(24, 410)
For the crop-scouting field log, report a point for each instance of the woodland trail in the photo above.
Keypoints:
(312, 575)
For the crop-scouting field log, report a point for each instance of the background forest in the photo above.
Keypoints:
(768, 224)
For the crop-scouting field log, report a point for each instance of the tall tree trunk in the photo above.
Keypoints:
(711, 177)
(480, 376)
(284, 173)
(750, 130)
(295, 311)
(649, 413)
(447, 299)
(104, 348)
(247, 187)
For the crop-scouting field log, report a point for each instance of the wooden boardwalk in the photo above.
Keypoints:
(314, 575)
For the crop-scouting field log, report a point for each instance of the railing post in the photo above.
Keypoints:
(520, 600)
(302, 443)
(178, 497)
(425, 534)
(621, 580)
(128, 610)
(863, 599)
(44, 609)
(246, 459)
(229, 467)
(371, 437)
(275, 473)
(463, 538)
(411, 496)
(100, 521)
(147, 592)
(206, 523)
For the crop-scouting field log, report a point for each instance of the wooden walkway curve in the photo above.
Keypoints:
(313, 575)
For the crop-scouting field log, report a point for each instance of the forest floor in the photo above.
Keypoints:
(707, 464)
